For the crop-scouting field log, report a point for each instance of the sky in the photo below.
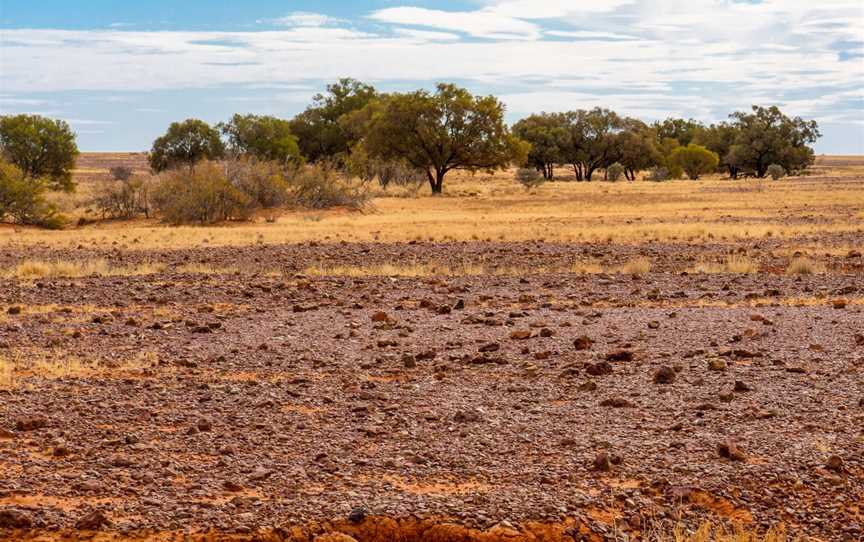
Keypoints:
(120, 71)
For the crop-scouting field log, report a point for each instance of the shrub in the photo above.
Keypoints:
(320, 186)
(22, 199)
(529, 178)
(360, 164)
(204, 195)
(41, 148)
(658, 174)
(694, 160)
(776, 171)
(614, 172)
(185, 144)
(121, 173)
(263, 182)
(124, 198)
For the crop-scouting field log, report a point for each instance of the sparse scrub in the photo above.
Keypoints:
(203, 195)
(320, 186)
(35, 269)
(614, 172)
(658, 174)
(776, 171)
(22, 199)
(529, 178)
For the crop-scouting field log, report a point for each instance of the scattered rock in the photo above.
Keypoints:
(357, 515)
(93, 521)
(834, 463)
(10, 518)
(31, 423)
(616, 402)
(599, 369)
(717, 364)
(520, 335)
(620, 355)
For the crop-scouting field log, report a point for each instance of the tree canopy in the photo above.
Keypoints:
(185, 144)
(263, 137)
(766, 136)
(548, 136)
(443, 131)
(321, 133)
(40, 147)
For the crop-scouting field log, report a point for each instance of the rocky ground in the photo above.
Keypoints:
(554, 406)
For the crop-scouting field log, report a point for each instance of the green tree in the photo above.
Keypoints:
(547, 134)
(766, 136)
(636, 148)
(185, 144)
(441, 132)
(591, 142)
(720, 138)
(695, 160)
(40, 147)
(263, 137)
(684, 131)
(321, 132)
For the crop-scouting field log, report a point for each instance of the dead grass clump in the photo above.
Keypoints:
(636, 266)
(804, 266)
(7, 374)
(710, 533)
(735, 263)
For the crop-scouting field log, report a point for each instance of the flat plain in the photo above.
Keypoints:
(582, 361)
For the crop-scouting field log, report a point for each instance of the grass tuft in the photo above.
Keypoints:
(804, 266)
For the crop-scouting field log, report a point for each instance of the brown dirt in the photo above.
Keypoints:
(269, 406)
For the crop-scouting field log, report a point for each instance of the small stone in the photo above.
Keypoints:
(380, 316)
(664, 375)
(520, 335)
(598, 369)
(602, 463)
(729, 450)
(31, 423)
(717, 364)
(741, 387)
(616, 402)
(232, 486)
(583, 343)
(357, 515)
(14, 310)
(620, 355)
(834, 463)
(11, 518)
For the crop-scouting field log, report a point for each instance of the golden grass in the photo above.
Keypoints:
(804, 266)
(17, 365)
(731, 264)
(711, 533)
(495, 207)
(444, 270)
(636, 266)
(33, 269)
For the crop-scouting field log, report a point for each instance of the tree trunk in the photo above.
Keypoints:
(589, 172)
(437, 182)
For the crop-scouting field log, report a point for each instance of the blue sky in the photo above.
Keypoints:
(120, 72)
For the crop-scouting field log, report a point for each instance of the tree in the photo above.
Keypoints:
(720, 138)
(321, 133)
(636, 148)
(766, 136)
(263, 137)
(40, 147)
(441, 132)
(186, 143)
(591, 142)
(695, 160)
(22, 198)
(547, 134)
(684, 131)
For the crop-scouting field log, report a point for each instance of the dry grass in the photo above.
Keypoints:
(804, 266)
(33, 269)
(735, 263)
(444, 270)
(496, 207)
(637, 266)
(19, 365)
(711, 533)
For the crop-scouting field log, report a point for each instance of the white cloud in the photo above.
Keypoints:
(483, 23)
(303, 18)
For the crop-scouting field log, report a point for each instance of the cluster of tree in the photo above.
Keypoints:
(599, 139)
(352, 130)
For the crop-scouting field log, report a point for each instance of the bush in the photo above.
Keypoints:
(320, 186)
(22, 199)
(529, 178)
(694, 160)
(263, 182)
(360, 164)
(121, 173)
(658, 174)
(776, 171)
(614, 172)
(124, 198)
(204, 195)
